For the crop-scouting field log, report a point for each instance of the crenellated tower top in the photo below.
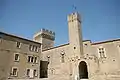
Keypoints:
(74, 17)
(45, 33)
(46, 37)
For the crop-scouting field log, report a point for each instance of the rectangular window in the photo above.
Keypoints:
(35, 73)
(32, 58)
(101, 52)
(16, 57)
(18, 44)
(35, 59)
(14, 71)
(28, 72)
(30, 47)
(31, 73)
(29, 58)
(33, 48)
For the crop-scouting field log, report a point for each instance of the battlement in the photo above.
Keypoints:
(49, 32)
(74, 16)
(45, 33)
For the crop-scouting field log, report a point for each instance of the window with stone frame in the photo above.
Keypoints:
(16, 57)
(29, 58)
(37, 50)
(32, 58)
(35, 73)
(101, 52)
(14, 71)
(28, 72)
(30, 47)
(34, 48)
(35, 59)
(18, 44)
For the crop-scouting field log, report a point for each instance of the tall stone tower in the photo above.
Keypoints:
(46, 37)
(75, 34)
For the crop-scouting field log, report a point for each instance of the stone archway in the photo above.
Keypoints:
(83, 72)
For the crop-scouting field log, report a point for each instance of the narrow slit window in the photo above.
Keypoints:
(62, 57)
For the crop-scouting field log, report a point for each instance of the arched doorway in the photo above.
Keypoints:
(83, 72)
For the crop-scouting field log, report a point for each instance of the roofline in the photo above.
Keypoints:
(94, 43)
(85, 41)
(106, 41)
(62, 45)
(18, 37)
(56, 47)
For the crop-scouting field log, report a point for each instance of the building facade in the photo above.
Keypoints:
(39, 59)
(19, 57)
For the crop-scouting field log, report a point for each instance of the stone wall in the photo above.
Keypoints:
(8, 49)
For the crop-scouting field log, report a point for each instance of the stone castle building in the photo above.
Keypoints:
(79, 59)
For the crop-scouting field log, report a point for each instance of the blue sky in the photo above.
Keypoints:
(100, 18)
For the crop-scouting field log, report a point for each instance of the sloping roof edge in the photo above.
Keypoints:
(62, 45)
(106, 41)
(18, 37)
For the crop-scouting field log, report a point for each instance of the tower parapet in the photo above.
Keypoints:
(45, 33)
(46, 37)
(48, 34)
(74, 16)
